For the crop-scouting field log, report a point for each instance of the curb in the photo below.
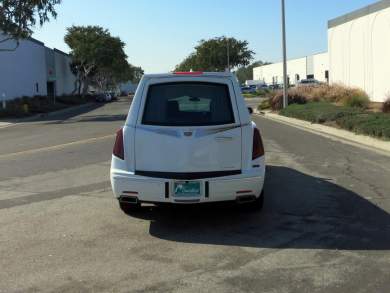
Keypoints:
(346, 136)
(12, 122)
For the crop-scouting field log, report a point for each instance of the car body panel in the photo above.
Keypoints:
(155, 149)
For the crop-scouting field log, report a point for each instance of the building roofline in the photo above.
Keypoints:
(288, 60)
(375, 7)
(61, 52)
(35, 41)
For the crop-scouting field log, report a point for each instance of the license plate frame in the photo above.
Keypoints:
(187, 189)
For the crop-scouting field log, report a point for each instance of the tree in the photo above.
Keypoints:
(17, 17)
(98, 58)
(215, 54)
(244, 73)
(138, 72)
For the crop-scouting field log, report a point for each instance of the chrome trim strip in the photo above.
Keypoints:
(168, 132)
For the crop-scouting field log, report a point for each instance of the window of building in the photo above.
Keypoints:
(37, 87)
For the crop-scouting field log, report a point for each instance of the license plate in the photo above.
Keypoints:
(187, 188)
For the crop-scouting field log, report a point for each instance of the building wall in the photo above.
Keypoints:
(270, 74)
(23, 71)
(359, 51)
(321, 66)
(297, 69)
(65, 79)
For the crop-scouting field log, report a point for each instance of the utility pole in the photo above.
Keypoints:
(285, 81)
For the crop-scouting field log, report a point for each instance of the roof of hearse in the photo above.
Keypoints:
(189, 74)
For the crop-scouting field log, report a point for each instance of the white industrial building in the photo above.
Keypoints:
(33, 69)
(358, 54)
(313, 66)
(359, 49)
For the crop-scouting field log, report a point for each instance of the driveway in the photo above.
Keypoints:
(325, 226)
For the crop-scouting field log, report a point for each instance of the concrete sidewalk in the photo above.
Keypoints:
(341, 135)
(5, 124)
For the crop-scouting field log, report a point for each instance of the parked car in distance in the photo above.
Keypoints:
(262, 86)
(188, 139)
(103, 98)
(248, 90)
(114, 95)
(308, 82)
(275, 86)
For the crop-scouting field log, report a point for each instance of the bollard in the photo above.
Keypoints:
(25, 108)
(4, 104)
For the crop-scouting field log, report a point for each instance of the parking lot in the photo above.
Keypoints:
(325, 226)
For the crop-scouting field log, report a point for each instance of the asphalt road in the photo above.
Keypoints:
(325, 226)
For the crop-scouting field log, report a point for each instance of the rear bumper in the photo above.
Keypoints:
(160, 190)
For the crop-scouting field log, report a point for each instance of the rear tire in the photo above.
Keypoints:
(259, 202)
(129, 208)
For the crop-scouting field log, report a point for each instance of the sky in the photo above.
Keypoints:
(160, 33)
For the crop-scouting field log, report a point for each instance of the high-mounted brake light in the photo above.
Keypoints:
(258, 147)
(118, 146)
(188, 73)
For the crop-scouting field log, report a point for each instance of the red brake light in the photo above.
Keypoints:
(188, 73)
(258, 148)
(118, 146)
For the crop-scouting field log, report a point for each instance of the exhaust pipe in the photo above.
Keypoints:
(245, 198)
(129, 199)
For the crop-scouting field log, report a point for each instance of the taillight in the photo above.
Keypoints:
(118, 146)
(258, 148)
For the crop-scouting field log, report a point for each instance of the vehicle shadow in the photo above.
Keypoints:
(300, 211)
(98, 118)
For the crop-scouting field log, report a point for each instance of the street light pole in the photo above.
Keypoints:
(285, 81)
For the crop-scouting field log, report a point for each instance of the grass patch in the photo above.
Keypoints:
(350, 118)
(372, 124)
(258, 93)
(250, 95)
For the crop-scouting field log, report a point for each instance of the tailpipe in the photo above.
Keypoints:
(128, 199)
(245, 198)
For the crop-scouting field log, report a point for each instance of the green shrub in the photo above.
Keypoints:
(26, 106)
(373, 124)
(336, 93)
(294, 97)
(71, 99)
(263, 92)
(318, 112)
(357, 101)
(266, 104)
(349, 118)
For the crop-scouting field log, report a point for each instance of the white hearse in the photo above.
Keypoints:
(188, 139)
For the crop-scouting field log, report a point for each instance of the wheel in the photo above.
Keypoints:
(129, 208)
(259, 202)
